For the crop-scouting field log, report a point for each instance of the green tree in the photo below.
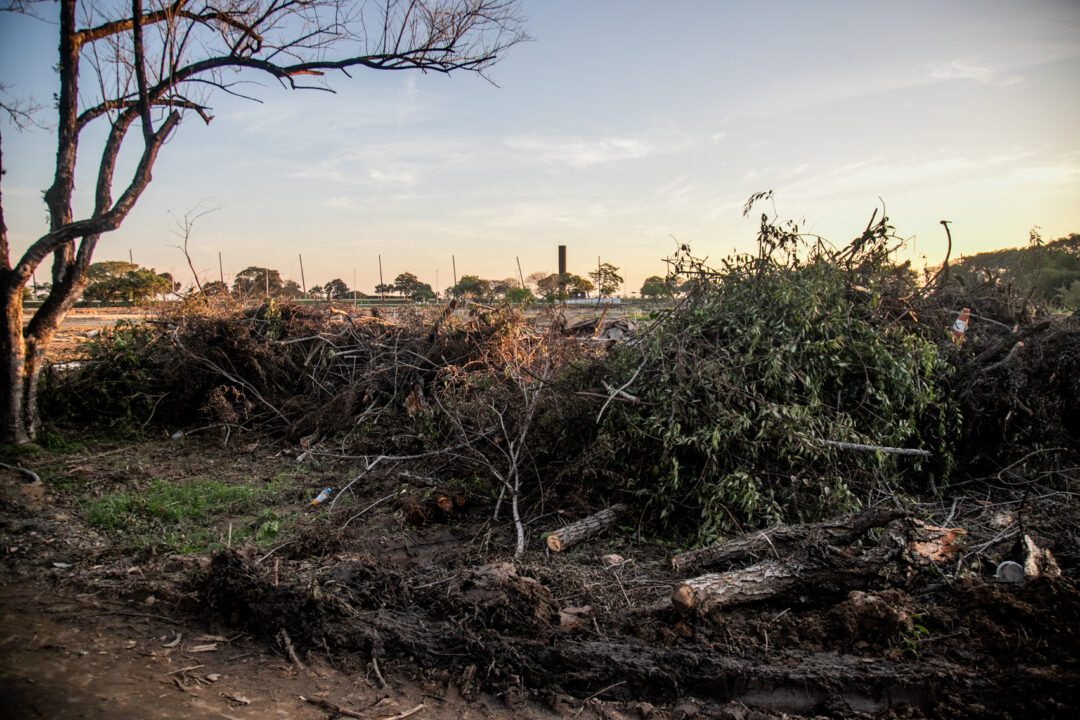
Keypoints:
(578, 286)
(117, 281)
(291, 289)
(336, 289)
(472, 286)
(656, 286)
(1069, 297)
(1043, 270)
(607, 279)
(519, 296)
(256, 281)
(555, 287)
(404, 283)
(410, 286)
(129, 75)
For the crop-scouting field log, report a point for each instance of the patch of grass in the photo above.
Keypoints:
(189, 516)
(53, 441)
(11, 453)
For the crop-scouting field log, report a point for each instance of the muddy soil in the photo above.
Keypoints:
(387, 612)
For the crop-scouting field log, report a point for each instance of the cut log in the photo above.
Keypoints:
(768, 543)
(813, 570)
(585, 528)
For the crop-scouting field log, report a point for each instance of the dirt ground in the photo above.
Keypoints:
(381, 607)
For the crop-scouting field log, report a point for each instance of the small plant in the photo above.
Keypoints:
(185, 516)
(909, 640)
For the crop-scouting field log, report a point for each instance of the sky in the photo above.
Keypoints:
(622, 126)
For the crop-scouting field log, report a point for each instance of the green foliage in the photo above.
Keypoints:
(768, 356)
(519, 296)
(52, 440)
(410, 286)
(182, 516)
(1048, 273)
(606, 279)
(909, 640)
(1069, 297)
(656, 287)
(336, 289)
(472, 286)
(291, 289)
(125, 386)
(256, 281)
(115, 281)
(559, 287)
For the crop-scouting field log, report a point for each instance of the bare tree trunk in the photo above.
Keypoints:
(22, 353)
(13, 354)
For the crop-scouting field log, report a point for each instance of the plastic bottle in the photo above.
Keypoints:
(322, 497)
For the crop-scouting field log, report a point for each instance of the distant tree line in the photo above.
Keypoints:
(1047, 272)
(115, 281)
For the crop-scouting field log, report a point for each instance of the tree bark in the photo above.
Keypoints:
(13, 354)
(817, 570)
(843, 530)
(585, 528)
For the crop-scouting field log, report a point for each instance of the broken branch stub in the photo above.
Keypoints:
(585, 528)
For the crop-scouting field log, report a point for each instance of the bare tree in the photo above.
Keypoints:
(151, 64)
(182, 230)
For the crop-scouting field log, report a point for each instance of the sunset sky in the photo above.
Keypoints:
(621, 125)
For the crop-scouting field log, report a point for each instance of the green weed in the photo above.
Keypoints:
(189, 516)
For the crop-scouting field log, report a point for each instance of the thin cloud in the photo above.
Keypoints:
(582, 153)
(392, 177)
(970, 71)
(340, 201)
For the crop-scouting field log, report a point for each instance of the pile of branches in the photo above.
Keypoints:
(736, 402)
(1014, 375)
(294, 371)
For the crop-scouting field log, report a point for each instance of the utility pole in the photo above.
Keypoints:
(303, 282)
(453, 263)
(266, 280)
(382, 285)
(131, 258)
(599, 273)
(220, 268)
(521, 276)
(354, 285)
